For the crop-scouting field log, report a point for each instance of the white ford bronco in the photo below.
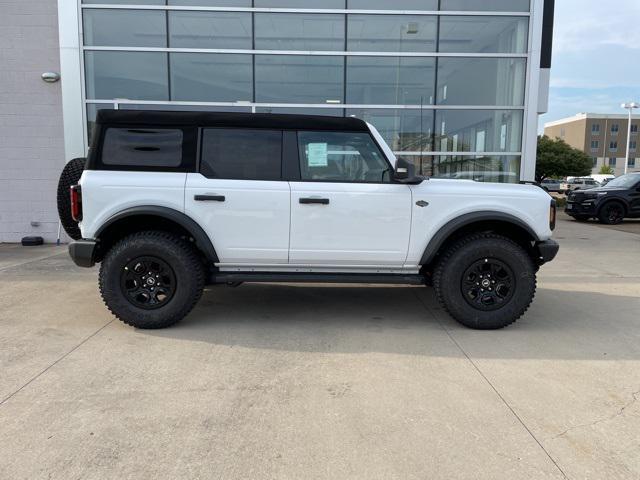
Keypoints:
(168, 202)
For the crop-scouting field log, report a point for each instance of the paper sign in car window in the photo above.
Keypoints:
(317, 155)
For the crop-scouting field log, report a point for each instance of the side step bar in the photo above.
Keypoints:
(295, 277)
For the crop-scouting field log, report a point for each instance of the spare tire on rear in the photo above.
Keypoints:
(70, 175)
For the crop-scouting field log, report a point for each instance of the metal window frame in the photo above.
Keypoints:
(196, 8)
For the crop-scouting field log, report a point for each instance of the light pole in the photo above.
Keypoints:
(630, 107)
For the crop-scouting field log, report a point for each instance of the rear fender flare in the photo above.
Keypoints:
(202, 240)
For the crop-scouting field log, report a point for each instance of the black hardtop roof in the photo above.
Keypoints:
(150, 118)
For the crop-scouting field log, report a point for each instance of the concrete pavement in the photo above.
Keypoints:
(286, 381)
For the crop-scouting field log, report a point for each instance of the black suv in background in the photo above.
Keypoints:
(611, 204)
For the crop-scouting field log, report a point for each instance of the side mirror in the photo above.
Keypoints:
(405, 172)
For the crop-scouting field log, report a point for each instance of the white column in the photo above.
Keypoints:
(530, 124)
(71, 79)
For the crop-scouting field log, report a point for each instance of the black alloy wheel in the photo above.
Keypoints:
(612, 213)
(148, 282)
(488, 284)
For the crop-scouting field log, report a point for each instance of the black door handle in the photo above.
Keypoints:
(209, 198)
(319, 201)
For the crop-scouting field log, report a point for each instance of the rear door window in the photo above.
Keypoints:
(241, 154)
(143, 147)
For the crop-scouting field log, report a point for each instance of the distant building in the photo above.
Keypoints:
(603, 137)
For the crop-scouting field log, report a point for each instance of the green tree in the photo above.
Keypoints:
(606, 170)
(556, 159)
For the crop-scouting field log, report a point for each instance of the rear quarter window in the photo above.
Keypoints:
(143, 147)
(155, 149)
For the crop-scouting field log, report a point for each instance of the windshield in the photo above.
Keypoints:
(625, 181)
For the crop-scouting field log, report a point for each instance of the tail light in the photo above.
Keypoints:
(76, 202)
(553, 211)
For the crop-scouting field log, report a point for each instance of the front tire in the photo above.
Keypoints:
(485, 281)
(611, 213)
(151, 279)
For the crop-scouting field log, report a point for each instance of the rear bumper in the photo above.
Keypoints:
(546, 251)
(82, 252)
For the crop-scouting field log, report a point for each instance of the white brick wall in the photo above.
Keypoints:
(31, 134)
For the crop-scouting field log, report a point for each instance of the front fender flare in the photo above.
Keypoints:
(457, 223)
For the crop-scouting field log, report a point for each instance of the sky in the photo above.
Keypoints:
(596, 57)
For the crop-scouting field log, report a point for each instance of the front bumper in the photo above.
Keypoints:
(581, 208)
(82, 252)
(546, 251)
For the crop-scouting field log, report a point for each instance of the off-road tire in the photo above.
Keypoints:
(69, 176)
(177, 253)
(608, 216)
(457, 259)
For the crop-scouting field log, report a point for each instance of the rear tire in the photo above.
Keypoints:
(69, 176)
(485, 281)
(151, 279)
(611, 213)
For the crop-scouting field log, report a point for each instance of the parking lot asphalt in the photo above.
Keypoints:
(324, 382)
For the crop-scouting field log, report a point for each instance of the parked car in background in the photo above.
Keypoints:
(580, 183)
(610, 204)
(551, 185)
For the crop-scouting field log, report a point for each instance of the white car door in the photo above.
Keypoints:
(238, 196)
(344, 209)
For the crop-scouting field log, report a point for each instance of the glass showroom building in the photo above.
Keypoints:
(454, 85)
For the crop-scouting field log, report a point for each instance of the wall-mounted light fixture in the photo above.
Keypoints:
(50, 77)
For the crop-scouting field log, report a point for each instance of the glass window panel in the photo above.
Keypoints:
(132, 75)
(210, 30)
(124, 28)
(481, 34)
(391, 33)
(341, 157)
(211, 77)
(210, 3)
(494, 169)
(390, 81)
(478, 130)
(124, 2)
(299, 31)
(485, 5)
(241, 154)
(326, 112)
(299, 4)
(402, 129)
(157, 147)
(393, 5)
(481, 81)
(299, 79)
